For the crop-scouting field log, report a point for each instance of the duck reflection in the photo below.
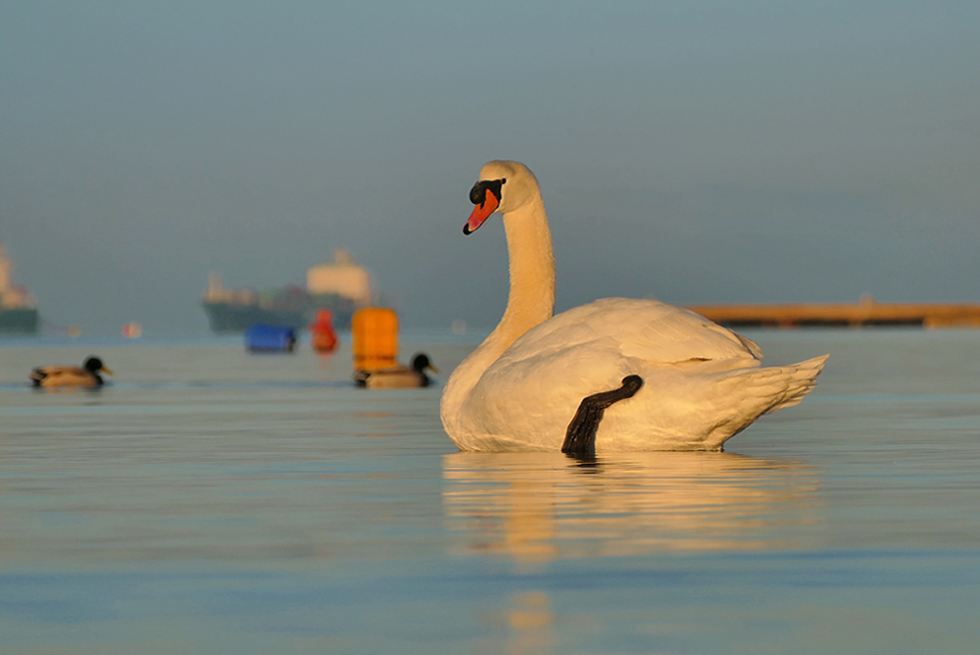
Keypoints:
(536, 507)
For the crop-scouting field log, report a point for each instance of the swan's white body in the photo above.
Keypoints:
(520, 388)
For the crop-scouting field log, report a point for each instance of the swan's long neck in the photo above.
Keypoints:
(531, 300)
(532, 273)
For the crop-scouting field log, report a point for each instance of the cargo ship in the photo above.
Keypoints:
(340, 285)
(18, 313)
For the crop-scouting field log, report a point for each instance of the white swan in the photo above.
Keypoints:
(699, 383)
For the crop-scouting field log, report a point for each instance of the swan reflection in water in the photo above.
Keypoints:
(537, 507)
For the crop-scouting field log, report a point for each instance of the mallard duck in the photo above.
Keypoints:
(397, 377)
(613, 375)
(86, 375)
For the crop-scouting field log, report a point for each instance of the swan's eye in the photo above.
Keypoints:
(478, 194)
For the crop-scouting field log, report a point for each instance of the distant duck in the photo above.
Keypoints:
(397, 377)
(86, 375)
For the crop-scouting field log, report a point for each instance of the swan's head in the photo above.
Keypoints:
(503, 187)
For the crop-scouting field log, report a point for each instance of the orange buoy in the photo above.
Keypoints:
(322, 337)
(375, 335)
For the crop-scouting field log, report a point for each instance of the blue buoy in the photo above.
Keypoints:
(270, 338)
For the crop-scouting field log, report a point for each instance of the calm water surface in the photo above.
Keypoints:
(211, 501)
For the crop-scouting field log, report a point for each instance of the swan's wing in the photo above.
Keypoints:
(551, 368)
(647, 330)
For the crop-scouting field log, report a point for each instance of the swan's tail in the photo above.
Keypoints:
(799, 379)
(752, 392)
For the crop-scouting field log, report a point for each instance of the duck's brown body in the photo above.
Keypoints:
(86, 376)
(397, 377)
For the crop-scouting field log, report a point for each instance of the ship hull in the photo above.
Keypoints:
(19, 321)
(227, 317)
(296, 312)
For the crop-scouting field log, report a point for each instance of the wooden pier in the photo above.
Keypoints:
(867, 312)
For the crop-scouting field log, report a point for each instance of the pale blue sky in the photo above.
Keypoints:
(693, 152)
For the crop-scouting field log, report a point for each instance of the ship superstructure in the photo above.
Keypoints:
(18, 313)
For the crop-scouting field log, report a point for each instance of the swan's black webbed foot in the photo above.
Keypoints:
(580, 435)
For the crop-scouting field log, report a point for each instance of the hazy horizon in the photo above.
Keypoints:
(695, 153)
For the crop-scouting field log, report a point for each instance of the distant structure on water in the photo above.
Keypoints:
(340, 285)
(865, 313)
(18, 313)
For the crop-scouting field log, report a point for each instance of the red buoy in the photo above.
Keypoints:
(322, 337)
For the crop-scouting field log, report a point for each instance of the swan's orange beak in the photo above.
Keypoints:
(481, 212)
